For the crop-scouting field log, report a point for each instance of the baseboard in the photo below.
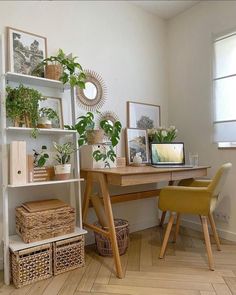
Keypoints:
(141, 225)
(225, 234)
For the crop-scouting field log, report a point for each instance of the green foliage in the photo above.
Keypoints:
(112, 131)
(49, 113)
(41, 157)
(162, 134)
(98, 155)
(72, 71)
(22, 105)
(64, 152)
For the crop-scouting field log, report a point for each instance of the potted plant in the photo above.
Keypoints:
(46, 116)
(162, 134)
(63, 169)
(22, 106)
(41, 157)
(64, 68)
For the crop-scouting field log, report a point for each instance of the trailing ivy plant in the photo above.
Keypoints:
(22, 105)
(72, 71)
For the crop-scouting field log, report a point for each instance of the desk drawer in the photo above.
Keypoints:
(178, 175)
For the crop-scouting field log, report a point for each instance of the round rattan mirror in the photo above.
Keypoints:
(93, 96)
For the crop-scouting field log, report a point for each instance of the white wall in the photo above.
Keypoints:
(190, 99)
(121, 42)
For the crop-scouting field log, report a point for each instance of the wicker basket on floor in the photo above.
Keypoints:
(122, 234)
(68, 254)
(31, 265)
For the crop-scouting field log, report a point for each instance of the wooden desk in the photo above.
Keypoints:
(128, 176)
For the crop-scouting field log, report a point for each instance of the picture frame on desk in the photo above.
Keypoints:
(143, 115)
(136, 143)
(25, 51)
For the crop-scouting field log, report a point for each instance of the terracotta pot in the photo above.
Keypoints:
(62, 172)
(95, 136)
(53, 72)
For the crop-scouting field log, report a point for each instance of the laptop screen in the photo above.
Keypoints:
(167, 153)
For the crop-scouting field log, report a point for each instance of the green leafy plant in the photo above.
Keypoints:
(72, 71)
(49, 113)
(162, 134)
(64, 152)
(22, 105)
(104, 155)
(41, 157)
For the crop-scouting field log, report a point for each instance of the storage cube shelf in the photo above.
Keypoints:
(16, 243)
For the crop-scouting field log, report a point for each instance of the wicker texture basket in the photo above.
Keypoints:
(95, 136)
(31, 265)
(122, 234)
(46, 224)
(68, 254)
(53, 72)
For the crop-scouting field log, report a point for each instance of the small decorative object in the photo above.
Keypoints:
(136, 143)
(120, 162)
(63, 170)
(22, 106)
(143, 116)
(31, 265)
(68, 254)
(162, 134)
(122, 234)
(18, 163)
(137, 161)
(96, 156)
(93, 95)
(39, 171)
(64, 68)
(50, 113)
(45, 219)
(26, 51)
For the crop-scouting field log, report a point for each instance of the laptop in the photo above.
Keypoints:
(169, 155)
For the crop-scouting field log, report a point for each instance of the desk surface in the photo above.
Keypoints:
(146, 174)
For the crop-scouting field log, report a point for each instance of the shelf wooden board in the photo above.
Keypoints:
(46, 182)
(16, 243)
(32, 80)
(41, 130)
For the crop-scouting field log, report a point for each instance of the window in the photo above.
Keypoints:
(224, 84)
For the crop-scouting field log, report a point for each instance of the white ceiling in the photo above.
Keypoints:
(165, 9)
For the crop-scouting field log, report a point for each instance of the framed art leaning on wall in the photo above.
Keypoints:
(136, 144)
(143, 115)
(25, 51)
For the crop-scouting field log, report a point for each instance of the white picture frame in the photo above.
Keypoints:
(54, 103)
(136, 143)
(143, 115)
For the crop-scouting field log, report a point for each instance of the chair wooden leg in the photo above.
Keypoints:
(163, 215)
(207, 241)
(176, 228)
(167, 234)
(214, 231)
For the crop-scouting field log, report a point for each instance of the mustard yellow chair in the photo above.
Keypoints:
(194, 197)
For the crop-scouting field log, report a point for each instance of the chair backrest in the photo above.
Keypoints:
(219, 179)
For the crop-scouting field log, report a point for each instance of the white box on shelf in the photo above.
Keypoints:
(18, 163)
(87, 160)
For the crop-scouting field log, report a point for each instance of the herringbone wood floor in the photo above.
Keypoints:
(184, 271)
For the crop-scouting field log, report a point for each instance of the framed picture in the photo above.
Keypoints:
(55, 104)
(25, 51)
(136, 143)
(143, 116)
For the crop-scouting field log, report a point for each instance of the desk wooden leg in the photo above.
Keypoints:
(163, 215)
(87, 193)
(112, 232)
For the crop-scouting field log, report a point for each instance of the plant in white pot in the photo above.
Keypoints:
(64, 151)
(46, 118)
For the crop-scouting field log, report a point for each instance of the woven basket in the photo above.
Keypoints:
(46, 224)
(31, 265)
(95, 136)
(68, 254)
(53, 72)
(122, 234)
